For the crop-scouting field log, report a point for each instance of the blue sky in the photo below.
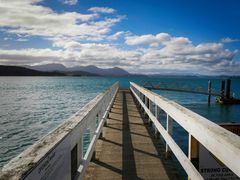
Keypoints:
(144, 36)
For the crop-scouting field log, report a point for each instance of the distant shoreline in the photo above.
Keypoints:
(24, 72)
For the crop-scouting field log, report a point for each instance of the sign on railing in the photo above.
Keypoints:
(210, 166)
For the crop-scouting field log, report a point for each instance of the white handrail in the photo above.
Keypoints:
(51, 157)
(220, 142)
(87, 157)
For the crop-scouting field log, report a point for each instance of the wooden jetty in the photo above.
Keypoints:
(124, 127)
(127, 150)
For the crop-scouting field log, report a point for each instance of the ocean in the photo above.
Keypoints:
(30, 107)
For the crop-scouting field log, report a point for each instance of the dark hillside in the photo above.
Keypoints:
(21, 71)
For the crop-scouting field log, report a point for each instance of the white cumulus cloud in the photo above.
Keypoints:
(115, 36)
(148, 39)
(229, 40)
(70, 2)
(27, 17)
(102, 10)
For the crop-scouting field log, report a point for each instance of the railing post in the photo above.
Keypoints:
(81, 148)
(193, 151)
(144, 113)
(138, 103)
(81, 154)
(101, 135)
(170, 131)
(228, 89)
(157, 110)
(149, 107)
(93, 155)
(222, 88)
(101, 116)
(106, 120)
(92, 129)
(209, 91)
(141, 99)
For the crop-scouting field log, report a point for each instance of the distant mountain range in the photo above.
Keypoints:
(60, 70)
(22, 71)
(93, 70)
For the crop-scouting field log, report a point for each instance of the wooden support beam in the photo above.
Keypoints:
(157, 110)
(209, 91)
(222, 88)
(193, 151)
(144, 112)
(149, 107)
(93, 155)
(170, 132)
(228, 89)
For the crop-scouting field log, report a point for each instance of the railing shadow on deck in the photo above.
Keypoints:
(107, 166)
(128, 161)
(169, 164)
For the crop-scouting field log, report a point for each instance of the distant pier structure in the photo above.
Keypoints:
(223, 96)
(226, 98)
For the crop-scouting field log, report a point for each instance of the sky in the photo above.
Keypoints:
(142, 36)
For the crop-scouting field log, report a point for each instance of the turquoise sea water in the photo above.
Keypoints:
(30, 107)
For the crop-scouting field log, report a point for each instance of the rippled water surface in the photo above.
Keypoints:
(30, 107)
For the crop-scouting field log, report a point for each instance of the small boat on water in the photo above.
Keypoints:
(224, 100)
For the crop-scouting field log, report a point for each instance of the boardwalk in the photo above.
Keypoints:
(127, 151)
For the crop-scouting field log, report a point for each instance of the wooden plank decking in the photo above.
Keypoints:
(127, 150)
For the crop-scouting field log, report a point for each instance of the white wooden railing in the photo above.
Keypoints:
(59, 155)
(220, 142)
